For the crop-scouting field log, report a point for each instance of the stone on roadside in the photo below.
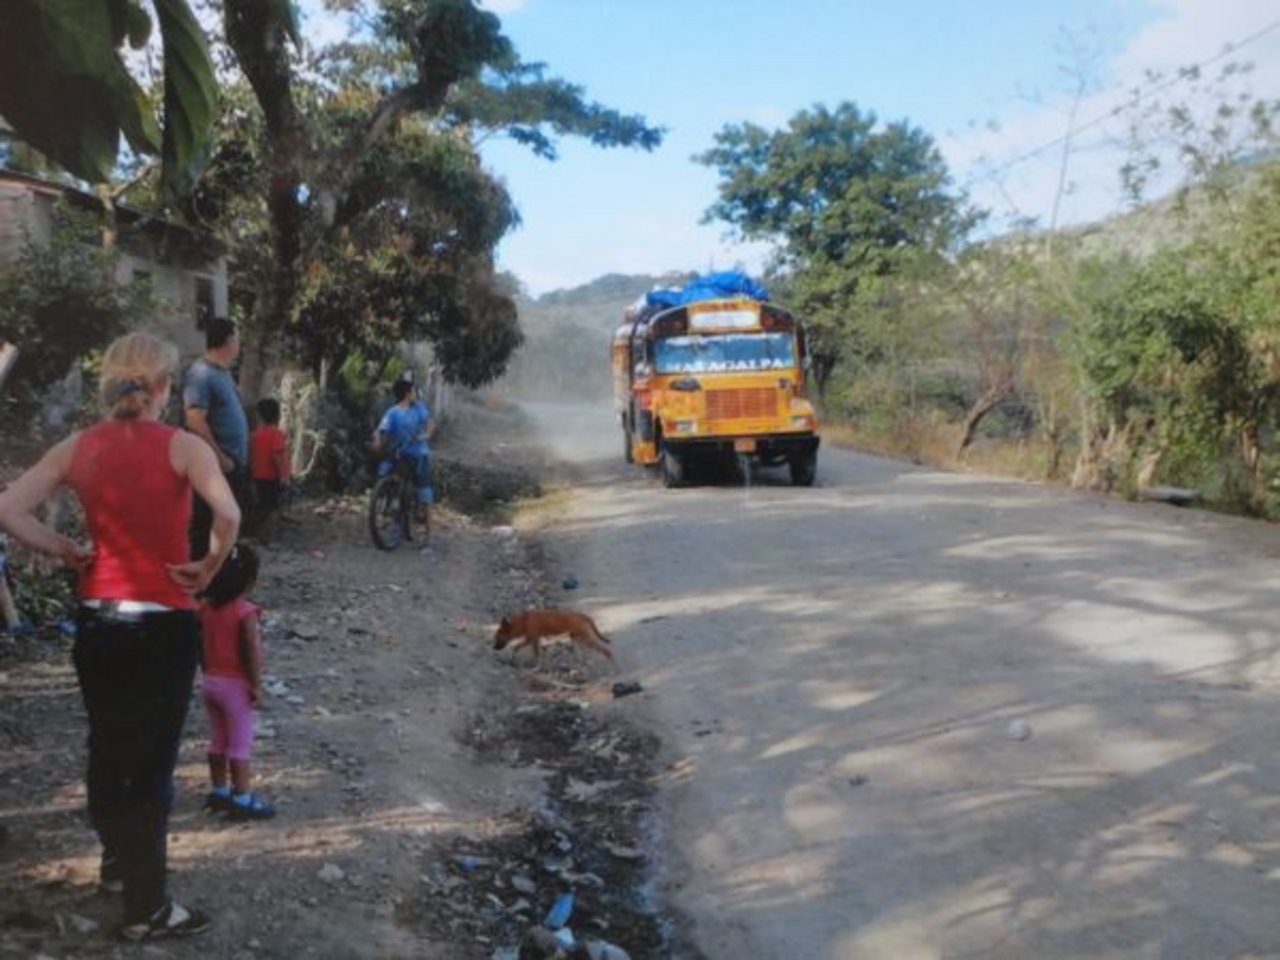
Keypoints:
(630, 854)
(603, 950)
(81, 924)
(522, 883)
(331, 873)
(1018, 730)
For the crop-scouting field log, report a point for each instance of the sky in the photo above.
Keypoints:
(996, 83)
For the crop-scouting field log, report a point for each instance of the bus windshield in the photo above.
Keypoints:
(715, 353)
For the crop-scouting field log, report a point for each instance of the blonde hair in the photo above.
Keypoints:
(134, 367)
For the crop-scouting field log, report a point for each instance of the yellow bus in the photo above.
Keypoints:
(711, 380)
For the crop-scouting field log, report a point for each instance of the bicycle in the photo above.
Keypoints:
(392, 504)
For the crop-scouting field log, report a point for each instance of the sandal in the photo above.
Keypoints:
(249, 806)
(171, 920)
(215, 802)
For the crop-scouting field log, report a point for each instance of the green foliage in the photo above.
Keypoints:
(66, 91)
(521, 101)
(1180, 356)
(61, 301)
(418, 220)
(190, 97)
(474, 341)
(854, 206)
(834, 186)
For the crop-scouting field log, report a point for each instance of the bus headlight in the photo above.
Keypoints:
(803, 423)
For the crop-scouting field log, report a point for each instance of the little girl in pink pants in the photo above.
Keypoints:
(232, 686)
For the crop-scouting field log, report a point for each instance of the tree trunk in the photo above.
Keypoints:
(258, 35)
(986, 402)
(1053, 441)
(1092, 470)
(1251, 453)
(1149, 465)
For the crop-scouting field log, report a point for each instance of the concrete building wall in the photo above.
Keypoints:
(192, 291)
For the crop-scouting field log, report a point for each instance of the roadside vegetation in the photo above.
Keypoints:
(1055, 354)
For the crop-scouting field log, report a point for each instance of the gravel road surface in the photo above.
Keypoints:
(912, 714)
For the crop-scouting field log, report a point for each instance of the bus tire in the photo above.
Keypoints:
(627, 455)
(672, 469)
(804, 469)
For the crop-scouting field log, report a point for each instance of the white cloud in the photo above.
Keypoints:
(1014, 168)
(1194, 30)
(501, 7)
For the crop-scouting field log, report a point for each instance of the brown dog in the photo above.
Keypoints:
(533, 626)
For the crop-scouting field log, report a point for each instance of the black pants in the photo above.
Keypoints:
(135, 673)
(202, 516)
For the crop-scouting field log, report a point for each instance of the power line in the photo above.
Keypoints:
(1179, 77)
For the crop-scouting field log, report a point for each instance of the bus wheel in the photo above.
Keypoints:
(804, 469)
(627, 455)
(672, 469)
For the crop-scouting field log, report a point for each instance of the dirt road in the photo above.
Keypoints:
(916, 715)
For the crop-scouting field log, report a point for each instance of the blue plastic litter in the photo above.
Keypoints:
(560, 911)
(67, 628)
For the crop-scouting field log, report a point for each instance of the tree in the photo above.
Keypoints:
(431, 68)
(65, 90)
(848, 202)
(990, 293)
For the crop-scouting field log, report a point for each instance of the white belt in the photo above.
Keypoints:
(127, 606)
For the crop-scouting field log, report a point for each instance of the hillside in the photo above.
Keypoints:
(595, 305)
(567, 333)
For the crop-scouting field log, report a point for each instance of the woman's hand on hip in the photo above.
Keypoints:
(77, 556)
(194, 575)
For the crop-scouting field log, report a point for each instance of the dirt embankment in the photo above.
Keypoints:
(434, 801)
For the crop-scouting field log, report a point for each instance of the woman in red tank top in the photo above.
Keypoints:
(137, 640)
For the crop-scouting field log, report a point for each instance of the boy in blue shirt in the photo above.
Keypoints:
(405, 428)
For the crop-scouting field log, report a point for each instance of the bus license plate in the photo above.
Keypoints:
(744, 446)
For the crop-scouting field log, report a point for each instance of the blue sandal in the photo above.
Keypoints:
(249, 806)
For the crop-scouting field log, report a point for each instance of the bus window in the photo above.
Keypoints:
(725, 352)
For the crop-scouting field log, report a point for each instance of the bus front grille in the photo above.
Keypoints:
(750, 403)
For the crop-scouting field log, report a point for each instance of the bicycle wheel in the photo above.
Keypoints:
(386, 512)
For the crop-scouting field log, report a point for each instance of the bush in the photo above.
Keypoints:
(61, 301)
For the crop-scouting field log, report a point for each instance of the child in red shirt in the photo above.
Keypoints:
(232, 685)
(268, 462)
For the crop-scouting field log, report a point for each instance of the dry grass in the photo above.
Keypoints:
(933, 442)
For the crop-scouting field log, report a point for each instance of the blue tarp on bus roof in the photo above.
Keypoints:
(711, 286)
